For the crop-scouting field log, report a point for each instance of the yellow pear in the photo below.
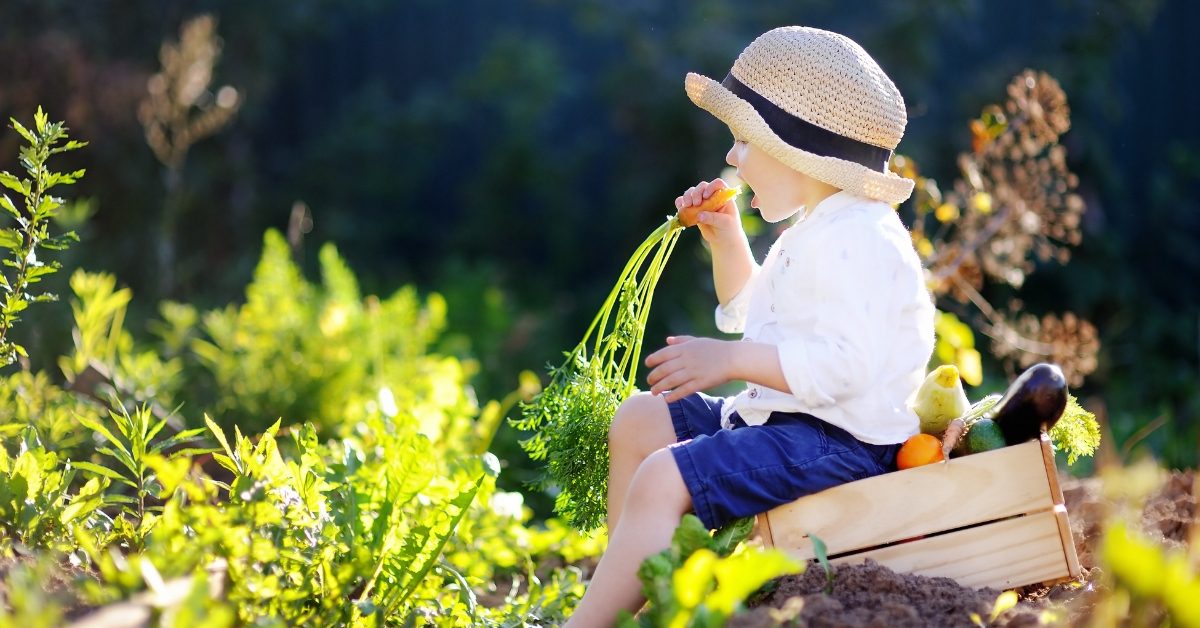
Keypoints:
(940, 400)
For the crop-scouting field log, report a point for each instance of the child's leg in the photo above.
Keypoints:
(656, 499)
(641, 426)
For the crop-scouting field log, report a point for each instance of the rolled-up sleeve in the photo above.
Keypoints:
(833, 318)
(731, 317)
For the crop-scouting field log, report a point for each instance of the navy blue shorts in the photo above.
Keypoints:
(733, 473)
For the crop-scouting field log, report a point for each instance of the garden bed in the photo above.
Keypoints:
(872, 595)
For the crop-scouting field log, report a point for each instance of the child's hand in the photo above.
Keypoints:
(687, 365)
(718, 227)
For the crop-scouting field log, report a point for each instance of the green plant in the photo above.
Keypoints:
(822, 554)
(314, 352)
(32, 233)
(146, 465)
(382, 522)
(1147, 578)
(105, 362)
(1077, 433)
(569, 418)
(32, 399)
(36, 508)
(1142, 581)
(703, 578)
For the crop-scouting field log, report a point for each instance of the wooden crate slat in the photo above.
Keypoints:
(1051, 468)
(1060, 509)
(1067, 541)
(914, 502)
(1005, 554)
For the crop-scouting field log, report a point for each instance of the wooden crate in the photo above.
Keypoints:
(993, 519)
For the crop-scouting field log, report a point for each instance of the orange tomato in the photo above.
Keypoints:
(918, 450)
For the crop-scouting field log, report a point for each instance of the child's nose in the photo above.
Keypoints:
(731, 156)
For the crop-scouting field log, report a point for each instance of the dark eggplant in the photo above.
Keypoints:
(1032, 404)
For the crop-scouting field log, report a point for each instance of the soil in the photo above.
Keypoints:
(61, 584)
(873, 595)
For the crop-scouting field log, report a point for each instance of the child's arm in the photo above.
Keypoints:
(733, 263)
(830, 318)
(687, 365)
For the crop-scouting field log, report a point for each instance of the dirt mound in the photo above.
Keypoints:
(872, 595)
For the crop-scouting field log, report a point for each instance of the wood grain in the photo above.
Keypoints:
(1060, 509)
(905, 504)
(1005, 554)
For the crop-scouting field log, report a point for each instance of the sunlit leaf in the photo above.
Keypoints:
(741, 574)
(1004, 601)
(970, 366)
(694, 578)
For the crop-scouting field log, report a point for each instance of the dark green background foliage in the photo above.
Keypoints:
(511, 155)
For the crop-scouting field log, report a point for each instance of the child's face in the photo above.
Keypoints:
(778, 189)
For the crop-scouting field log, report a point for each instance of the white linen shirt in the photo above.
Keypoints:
(842, 294)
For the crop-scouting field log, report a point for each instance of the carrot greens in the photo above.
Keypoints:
(571, 416)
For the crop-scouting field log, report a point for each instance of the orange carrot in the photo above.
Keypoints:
(689, 216)
(954, 431)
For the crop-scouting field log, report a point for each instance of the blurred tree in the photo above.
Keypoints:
(524, 148)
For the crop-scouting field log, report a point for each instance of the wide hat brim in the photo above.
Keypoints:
(746, 124)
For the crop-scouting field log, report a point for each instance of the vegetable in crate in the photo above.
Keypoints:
(940, 400)
(984, 435)
(953, 439)
(1033, 403)
(571, 416)
(918, 450)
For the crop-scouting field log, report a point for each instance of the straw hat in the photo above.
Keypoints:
(817, 102)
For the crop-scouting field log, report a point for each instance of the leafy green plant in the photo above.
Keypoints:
(955, 344)
(703, 578)
(1077, 433)
(381, 523)
(314, 352)
(32, 399)
(1145, 577)
(1142, 581)
(105, 362)
(570, 417)
(36, 508)
(23, 268)
(146, 465)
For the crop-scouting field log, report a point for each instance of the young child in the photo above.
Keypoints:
(837, 323)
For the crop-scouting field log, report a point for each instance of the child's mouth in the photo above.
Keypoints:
(754, 201)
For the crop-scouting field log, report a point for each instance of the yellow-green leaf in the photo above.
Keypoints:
(1004, 601)
(692, 580)
(970, 366)
(742, 574)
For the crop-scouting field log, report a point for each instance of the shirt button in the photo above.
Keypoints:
(772, 307)
(787, 262)
(753, 393)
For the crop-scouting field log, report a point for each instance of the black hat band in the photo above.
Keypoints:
(806, 136)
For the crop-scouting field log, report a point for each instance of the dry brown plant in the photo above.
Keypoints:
(180, 109)
(1013, 205)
